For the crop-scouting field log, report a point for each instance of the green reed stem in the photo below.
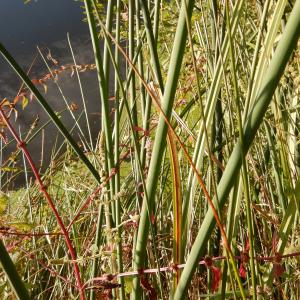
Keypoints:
(160, 140)
(12, 274)
(255, 117)
(243, 155)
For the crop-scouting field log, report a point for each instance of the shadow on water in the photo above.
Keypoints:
(46, 24)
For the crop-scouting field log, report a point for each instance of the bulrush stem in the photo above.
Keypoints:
(22, 146)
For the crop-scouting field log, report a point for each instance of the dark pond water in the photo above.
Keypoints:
(45, 23)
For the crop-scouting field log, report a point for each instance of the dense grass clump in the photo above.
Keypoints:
(192, 189)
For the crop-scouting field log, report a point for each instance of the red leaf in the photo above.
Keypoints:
(208, 261)
(216, 277)
(149, 290)
(242, 271)
(244, 260)
(274, 241)
(278, 269)
(114, 171)
(106, 295)
(153, 218)
(247, 246)
(137, 128)
(35, 81)
(244, 257)
(47, 76)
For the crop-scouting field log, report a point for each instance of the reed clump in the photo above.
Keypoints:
(192, 189)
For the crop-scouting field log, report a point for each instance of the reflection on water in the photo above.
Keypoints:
(45, 23)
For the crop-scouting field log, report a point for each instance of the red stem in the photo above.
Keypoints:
(72, 251)
(52, 271)
(36, 234)
(173, 267)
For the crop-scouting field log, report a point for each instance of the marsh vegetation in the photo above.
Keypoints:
(191, 187)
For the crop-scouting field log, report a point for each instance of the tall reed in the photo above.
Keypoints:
(196, 166)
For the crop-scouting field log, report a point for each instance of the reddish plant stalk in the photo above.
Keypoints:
(37, 234)
(45, 265)
(72, 251)
(174, 267)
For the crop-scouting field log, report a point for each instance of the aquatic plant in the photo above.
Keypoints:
(192, 189)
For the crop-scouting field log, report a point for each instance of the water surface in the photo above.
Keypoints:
(45, 23)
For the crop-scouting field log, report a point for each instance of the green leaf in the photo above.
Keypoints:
(24, 102)
(9, 169)
(297, 190)
(58, 261)
(24, 226)
(128, 284)
(3, 202)
(94, 249)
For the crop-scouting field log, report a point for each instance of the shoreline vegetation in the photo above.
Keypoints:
(192, 188)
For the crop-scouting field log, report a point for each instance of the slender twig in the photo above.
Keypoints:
(47, 267)
(16, 233)
(173, 267)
